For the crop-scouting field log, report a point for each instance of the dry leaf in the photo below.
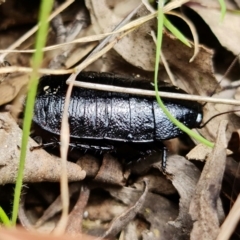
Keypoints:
(56, 206)
(11, 87)
(130, 231)
(226, 31)
(40, 166)
(157, 211)
(231, 184)
(111, 171)
(123, 219)
(157, 183)
(200, 152)
(136, 48)
(203, 207)
(237, 2)
(90, 164)
(74, 226)
(197, 78)
(184, 176)
(104, 209)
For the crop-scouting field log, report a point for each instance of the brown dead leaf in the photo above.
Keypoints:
(157, 211)
(40, 166)
(230, 222)
(89, 164)
(184, 176)
(137, 48)
(104, 209)
(197, 78)
(231, 183)
(213, 4)
(122, 220)
(55, 206)
(237, 2)
(226, 31)
(157, 184)
(130, 231)
(11, 87)
(74, 226)
(205, 202)
(200, 152)
(231, 186)
(3, 76)
(111, 171)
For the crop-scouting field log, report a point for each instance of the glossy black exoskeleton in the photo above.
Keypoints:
(101, 120)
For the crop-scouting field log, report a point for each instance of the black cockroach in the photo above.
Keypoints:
(101, 120)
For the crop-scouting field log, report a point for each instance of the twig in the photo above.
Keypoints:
(122, 220)
(135, 91)
(74, 226)
(230, 222)
(65, 132)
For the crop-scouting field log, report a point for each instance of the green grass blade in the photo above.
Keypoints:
(4, 218)
(165, 110)
(46, 6)
(175, 31)
(223, 8)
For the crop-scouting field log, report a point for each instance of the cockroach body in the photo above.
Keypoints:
(100, 120)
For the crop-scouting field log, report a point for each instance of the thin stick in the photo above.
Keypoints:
(141, 92)
(230, 222)
(110, 37)
(121, 89)
(40, 70)
(133, 24)
(65, 131)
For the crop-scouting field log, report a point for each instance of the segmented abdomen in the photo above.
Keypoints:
(95, 114)
(99, 115)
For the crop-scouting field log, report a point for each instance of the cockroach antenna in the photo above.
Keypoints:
(217, 115)
(224, 76)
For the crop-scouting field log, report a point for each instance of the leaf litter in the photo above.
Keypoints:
(176, 205)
